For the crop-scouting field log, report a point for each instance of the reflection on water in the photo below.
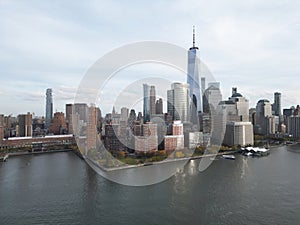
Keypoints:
(244, 167)
(62, 189)
(192, 168)
(180, 181)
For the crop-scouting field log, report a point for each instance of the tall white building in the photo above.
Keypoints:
(178, 102)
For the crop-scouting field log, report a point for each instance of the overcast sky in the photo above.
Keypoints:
(253, 45)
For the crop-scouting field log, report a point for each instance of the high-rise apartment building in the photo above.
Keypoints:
(176, 140)
(112, 142)
(146, 103)
(147, 142)
(49, 108)
(81, 109)
(58, 124)
(152, 100)
(91, 131)
(69, 113)
(1, 128)
(124, 114)
(25, 125)
(159, 106)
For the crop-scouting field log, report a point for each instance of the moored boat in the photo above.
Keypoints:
(232, 157)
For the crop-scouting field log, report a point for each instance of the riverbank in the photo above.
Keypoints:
(126, 166)
(38, 152)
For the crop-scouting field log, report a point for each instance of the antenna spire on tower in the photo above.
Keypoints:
(193, 36)
(194, 40)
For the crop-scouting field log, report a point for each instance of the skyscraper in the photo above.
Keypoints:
(146, 103)
(265, 123)
(211, 98)
(91, 131)
(1, 128)
(193, 80)
(178, 102)
(277, 104)
(49, 107)
(69, 113)
(152, 100)
(159, 106)
(293, 125)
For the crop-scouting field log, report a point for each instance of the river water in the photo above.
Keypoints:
(60, 188)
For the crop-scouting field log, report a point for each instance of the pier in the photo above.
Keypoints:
(3, 157)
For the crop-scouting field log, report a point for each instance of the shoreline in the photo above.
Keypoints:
(127, 166)
(37, 153)
(123, 167)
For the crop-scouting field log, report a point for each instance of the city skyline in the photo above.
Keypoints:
(232, 38)
(153, 112)
(272, 100)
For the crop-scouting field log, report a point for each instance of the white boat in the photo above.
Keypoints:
(232, 157)
(249, 154)
(257, 151)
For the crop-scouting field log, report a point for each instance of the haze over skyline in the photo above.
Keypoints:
(251, 45)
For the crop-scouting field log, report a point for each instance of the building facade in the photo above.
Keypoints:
(152, 100)
(176, 140)
(69, 112)
(293, 125)
(239, 133)
(1, 128)
(178, 102)
(159, 106)
(91, 131)
(25, 125)
(265, 121)
(277, 104)
(49, 108)
(211, 98)
(58, 124)
(193, 77)
(148, 141)
(146, 103)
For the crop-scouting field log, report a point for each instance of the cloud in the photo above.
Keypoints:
(250, 44)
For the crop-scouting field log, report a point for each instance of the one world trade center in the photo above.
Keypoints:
(193, 81)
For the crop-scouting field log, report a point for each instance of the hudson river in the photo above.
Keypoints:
(60, 188)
